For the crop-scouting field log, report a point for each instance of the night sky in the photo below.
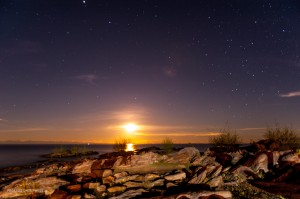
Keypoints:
(76, 71)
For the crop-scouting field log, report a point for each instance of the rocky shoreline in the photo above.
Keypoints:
(252, 172)
(50, 158)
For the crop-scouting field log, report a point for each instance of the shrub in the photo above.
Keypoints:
(60, 149)
(167, 145)
(284, 135)
(120, 145)
(75, 150)
(226, 138)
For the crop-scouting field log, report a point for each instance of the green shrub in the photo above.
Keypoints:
(120, 145)
(226, 138)
(284, 135)
(167, 145)
(75, 150)
(60, 149)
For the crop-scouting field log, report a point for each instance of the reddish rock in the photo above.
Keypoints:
(287, 190)
(110, 180)
(224, 159)
(213, 196)
(74, 188)
(97, 173)
(59, 194)
(258, 162)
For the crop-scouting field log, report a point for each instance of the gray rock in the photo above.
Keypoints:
(133, 184)
(157, 183)
(83, 168)
(198, 179)
(89, 196)
(236, 156)
(119, 162)
(184, 156)
(261, 163)
(151, 177)
(198, 161)
(276, 156)
(93, 185)
(38, 187)
(170, 184)
(130, 194)
(176, 177)
(110, 180)
(290, 157)
(106, 173)
(125, 179)
(216, 171)
(120, 175)
(196, 195)
(215, 182)
(53, 169)
(144, 159)
(116, 189)
(100, 191)
(242, 173)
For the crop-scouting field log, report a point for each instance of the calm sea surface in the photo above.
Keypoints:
(17, 155)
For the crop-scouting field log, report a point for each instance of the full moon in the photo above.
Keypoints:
(130, 127)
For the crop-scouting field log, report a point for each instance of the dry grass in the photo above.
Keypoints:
(284, 135)
(167, 145)
(226, 138)
(120, 145)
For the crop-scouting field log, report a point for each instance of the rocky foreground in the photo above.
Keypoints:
(151, 173)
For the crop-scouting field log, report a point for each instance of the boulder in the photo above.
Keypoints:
(89, 196)
(83, 168)
(107, 172)
(37, 187)
(157, 183)
(216, 182)
(130, 194)
(216, 171)
(236, 156)
(176, 177)
(258, 162)
(206, 195)
(224, 159)
(170, 184)
(197, 179)
(110, 180)
(144, 159)
(100, 191)
(151, 177)
(184, 156)
(125, 179)
(74, 197)
(74, 188)
(243, 173)
(59, 194)
(91, 185)
(122, 174)
(116, 189)
(290, 157)
(133, 184)
(276, 156)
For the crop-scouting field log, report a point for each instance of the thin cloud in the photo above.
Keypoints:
(252, 129)
(24, 130)
(291, 94)
(89, 78)
(192, 134)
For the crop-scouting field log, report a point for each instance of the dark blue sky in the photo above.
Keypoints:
(77, 71)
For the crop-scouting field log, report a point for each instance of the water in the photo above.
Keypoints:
(18, 155)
